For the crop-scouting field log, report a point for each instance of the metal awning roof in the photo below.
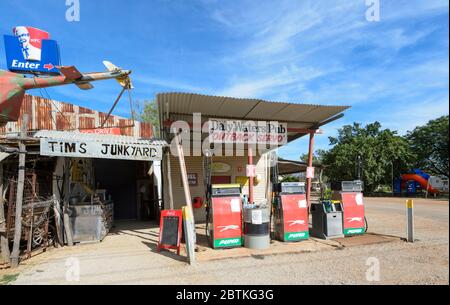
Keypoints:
(301, 118)
(286, 167)
(245, 109)
(74, 135)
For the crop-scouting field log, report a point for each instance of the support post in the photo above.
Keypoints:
(67, 225)
(251, 178)
(410, 218)
(4, 245)
(169, 180)
(190, 232)
(19, 196)
(57, 199)
(58, 213)
(310, 164)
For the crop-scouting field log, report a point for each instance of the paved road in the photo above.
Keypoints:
(125, 258)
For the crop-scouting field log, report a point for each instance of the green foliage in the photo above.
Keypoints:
(147, 111)
(380, 150)
(316, 158)
(327, 194)
(289, 179)
(429, 143)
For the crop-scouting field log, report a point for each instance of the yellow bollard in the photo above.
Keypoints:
(410, 220)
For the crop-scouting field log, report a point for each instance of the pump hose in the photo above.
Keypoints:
(366, 224)
(207, 226)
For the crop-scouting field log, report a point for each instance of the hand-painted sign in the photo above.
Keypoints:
(31, 51)
(86, 149)
(111, 131)
(234, 131)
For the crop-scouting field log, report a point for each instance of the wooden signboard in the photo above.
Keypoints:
(170, 230)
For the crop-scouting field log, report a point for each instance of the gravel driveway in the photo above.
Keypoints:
(129, 257)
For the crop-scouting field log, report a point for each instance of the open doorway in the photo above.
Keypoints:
(131, 188)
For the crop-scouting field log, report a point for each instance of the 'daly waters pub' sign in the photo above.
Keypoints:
(103, 150)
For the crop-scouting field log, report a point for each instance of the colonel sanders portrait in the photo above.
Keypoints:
(29, 51)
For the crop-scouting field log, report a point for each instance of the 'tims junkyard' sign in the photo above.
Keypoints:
(86, 149)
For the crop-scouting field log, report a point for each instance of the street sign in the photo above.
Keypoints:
(31, 51)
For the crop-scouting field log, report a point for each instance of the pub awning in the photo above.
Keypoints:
(175, 106)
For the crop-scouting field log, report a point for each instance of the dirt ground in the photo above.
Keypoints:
(129, 256)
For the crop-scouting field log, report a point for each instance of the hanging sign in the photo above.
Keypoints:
(235, 131)
(102, 150)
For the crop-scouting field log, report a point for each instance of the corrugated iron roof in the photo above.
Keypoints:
(77, 136)
(286, 167)
(245, 109)
(46, 114)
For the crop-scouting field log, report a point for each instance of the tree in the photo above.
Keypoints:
(316, 158)
(147, 111)
(379, 152)
(429, 143)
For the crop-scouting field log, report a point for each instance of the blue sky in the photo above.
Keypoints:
(319, 52)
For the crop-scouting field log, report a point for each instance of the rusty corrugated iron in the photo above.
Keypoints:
(45, 114)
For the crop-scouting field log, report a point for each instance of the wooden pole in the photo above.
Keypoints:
(190, 234)
(19, 197)
(57, 199)
(187, 192)
(67, 225)
(4, 245)
(58, 213)
(310, 164)
(169, 180)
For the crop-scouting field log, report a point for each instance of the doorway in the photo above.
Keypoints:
(118, 178)
(220, 179)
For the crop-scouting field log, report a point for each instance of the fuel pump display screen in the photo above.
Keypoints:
(218, 191)
(292, 188)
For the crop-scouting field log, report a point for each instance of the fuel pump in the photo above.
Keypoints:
(352, 201)
(291, 212)
(224, 216)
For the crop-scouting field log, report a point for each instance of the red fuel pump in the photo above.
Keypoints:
(291, 212)
(224, 214)
(353, 208)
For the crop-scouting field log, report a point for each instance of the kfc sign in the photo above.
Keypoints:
(30, 50)
(30, 41)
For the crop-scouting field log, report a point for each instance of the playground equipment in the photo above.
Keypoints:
(413, 182)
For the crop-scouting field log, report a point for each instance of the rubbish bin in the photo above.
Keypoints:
(256, 228)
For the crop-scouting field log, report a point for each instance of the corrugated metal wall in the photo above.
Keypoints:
(45, 114)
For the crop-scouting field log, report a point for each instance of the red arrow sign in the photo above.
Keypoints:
(48, 66)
